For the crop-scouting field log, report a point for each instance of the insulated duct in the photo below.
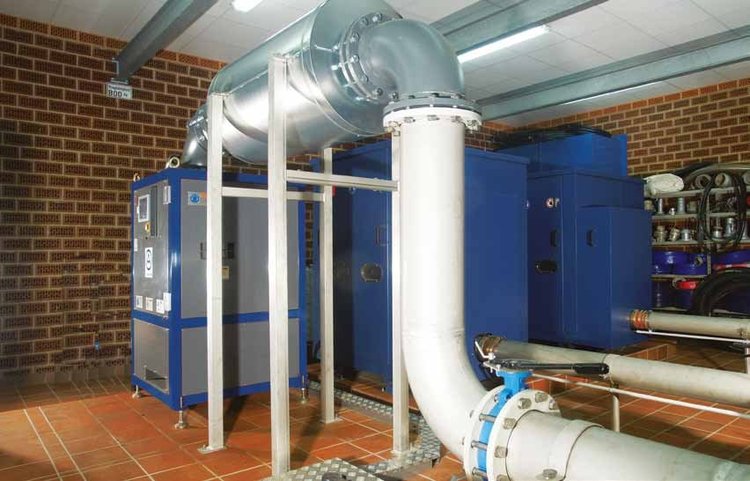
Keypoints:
(348, 61)
(352, 61)
(676, 379)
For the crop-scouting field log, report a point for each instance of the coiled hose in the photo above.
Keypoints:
(716, 287)
(719, 244)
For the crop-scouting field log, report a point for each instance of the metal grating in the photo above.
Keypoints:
(315, 472)
(426, 449)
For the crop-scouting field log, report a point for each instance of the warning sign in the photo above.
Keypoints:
(148, 255)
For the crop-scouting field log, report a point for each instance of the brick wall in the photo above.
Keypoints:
(67, 158)
(668, 132)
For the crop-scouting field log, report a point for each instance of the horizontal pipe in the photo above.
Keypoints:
(600, 454)
(690, 381)
(686, 324)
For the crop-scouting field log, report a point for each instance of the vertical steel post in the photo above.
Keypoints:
(214, 312)
(278, 303)
(400, 381)
(616, 413)
(328, 414)
(747, 358)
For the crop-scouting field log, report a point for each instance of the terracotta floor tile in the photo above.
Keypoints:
(707, 426)
(106, 456)
(254, 474)
(345, 451)
(165, 460)
(377, 425)
(150, 445)
(115, 472)
(191, 472)
(90, 444)
(347, 430)
(375, 443)
(25, 472)
(227, 461)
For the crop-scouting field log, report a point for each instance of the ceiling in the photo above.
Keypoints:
(611, 31)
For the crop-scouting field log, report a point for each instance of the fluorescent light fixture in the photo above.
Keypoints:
(610, 93)
(245, 5)
(502, 43)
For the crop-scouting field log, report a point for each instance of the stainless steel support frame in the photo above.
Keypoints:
(400, 382)
(278, 303)
(327, 380)
(214, 298)
(329, 179)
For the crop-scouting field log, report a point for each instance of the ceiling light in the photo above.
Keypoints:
(502, 43)
(245, 5)
(610, 93)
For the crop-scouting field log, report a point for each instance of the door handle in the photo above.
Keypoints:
(590, 239)
(553, 238)
(546, 266)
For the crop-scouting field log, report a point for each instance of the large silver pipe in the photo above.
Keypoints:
(685, 324)
(600, 454)
(348, 60)
(676, 379)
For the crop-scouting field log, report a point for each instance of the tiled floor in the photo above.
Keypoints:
(96, 431)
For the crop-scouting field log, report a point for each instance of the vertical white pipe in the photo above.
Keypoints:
(432, 271)
(214, 297)
(399, 380)
(327, 413)
(278, 302)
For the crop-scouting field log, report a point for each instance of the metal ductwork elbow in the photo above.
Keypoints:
(349, 63)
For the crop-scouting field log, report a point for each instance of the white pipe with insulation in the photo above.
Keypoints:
(432, 270)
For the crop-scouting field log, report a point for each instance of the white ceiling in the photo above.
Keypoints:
(614, 30)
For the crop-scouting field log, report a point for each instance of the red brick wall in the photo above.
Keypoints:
(68, 155)
(67, 158)
(669, 132)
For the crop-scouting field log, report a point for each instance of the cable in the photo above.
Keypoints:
(719, 244)
(716, 287)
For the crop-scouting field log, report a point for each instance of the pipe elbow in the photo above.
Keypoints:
(410, 58)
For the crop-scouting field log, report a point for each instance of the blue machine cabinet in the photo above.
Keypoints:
(168, 283)
(495, 256)
(589, 257)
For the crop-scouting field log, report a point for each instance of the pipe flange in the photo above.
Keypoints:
(395, 119)
(485, 445)
(480, 424)
(433, 99)
(351, 72)
(530, 400)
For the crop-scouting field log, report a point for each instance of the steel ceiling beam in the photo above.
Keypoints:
(172, 19)
(489, 20)
(705, 53)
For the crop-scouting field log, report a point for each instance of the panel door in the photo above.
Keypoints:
(545, 241)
